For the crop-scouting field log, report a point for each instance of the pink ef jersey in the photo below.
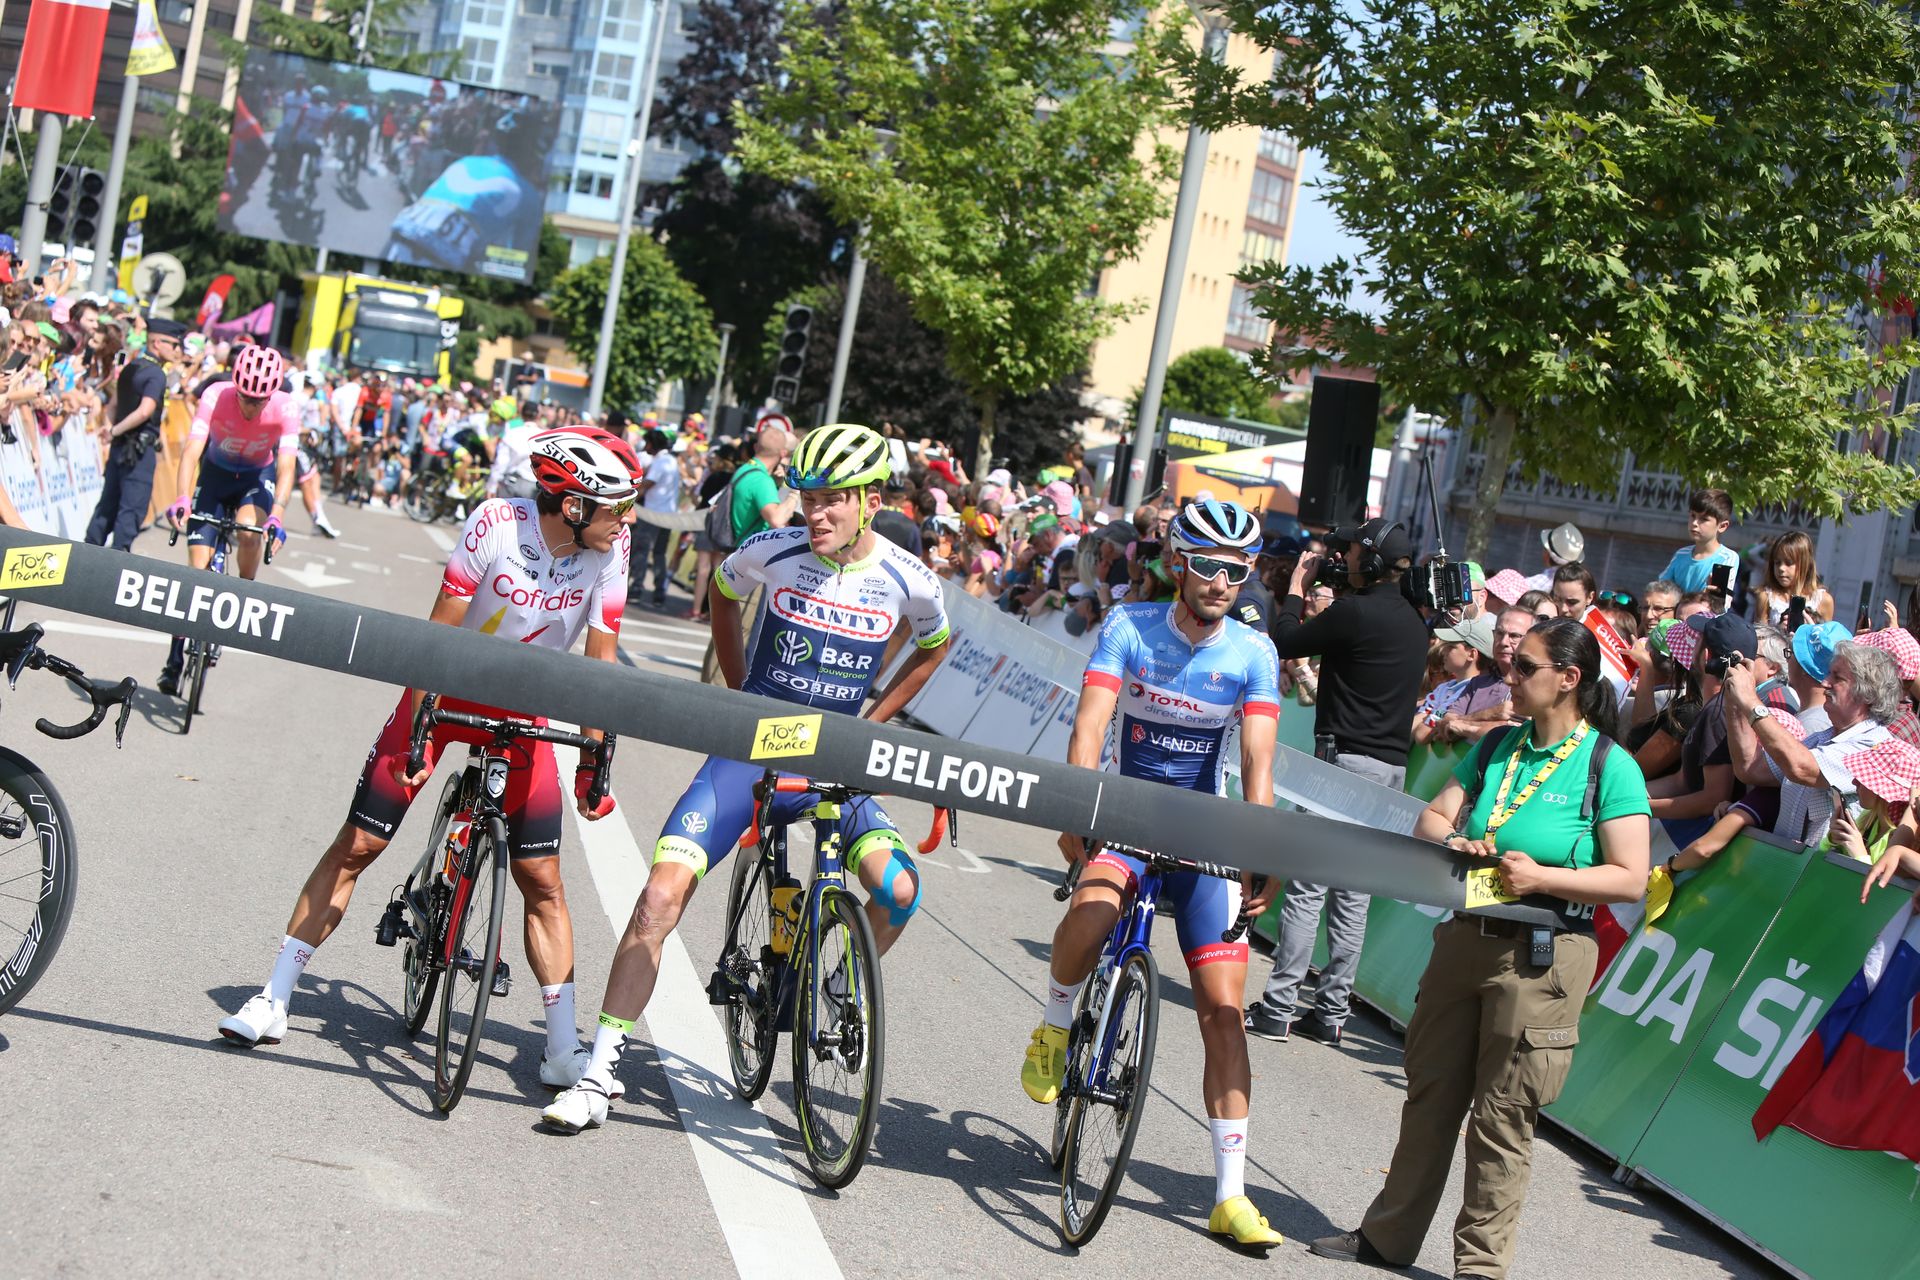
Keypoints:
(518, 589)
(237, 444)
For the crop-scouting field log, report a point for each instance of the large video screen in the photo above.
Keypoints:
(388, 165)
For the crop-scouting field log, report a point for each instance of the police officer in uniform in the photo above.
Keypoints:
(139, 401)
(1562, 814)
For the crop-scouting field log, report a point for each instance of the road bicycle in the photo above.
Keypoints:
(200, 655)
(448, 912)
(432, 495)
(39, 851)
(1110, 1047)
(803, 960)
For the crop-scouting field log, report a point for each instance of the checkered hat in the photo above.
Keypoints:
(1788, 721)
(1890, 769)
(1684, 644)
(1899, 642)
(1507, 586)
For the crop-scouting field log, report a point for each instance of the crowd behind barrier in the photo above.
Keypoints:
(1689, 1024)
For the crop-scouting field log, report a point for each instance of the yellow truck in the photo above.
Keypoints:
(350, 322)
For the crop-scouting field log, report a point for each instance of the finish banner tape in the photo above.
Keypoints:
(339, 636)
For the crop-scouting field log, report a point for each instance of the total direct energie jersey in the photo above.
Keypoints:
(519, 591)
(237, 443)
(1178, 700)
(823, 627)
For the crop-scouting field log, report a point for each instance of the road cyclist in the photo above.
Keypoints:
(538, 571)
(242, 445)
(1181, 675)
(830, 577)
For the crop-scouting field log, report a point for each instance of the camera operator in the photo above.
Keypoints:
(1373, 651)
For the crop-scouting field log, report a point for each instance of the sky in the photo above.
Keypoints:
(1317, 237)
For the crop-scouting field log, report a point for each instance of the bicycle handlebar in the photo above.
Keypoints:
(226, 523)
(21, 650)
(1164, 863)
(503, 730)
(946, 822)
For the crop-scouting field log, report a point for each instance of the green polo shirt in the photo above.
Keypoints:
(1548, 827)
(753, 491)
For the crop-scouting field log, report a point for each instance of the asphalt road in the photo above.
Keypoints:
(359, 213)
(138, 1143)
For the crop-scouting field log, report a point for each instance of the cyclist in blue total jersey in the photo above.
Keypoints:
(834, 592)
(1182, 675)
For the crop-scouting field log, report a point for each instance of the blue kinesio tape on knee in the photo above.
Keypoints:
(897, 915)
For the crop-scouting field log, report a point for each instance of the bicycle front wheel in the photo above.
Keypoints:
(421, 975)
(473, 934)
(751, 973)
(193, 678)
(420, 503)
(1112, 1093)
(839, 1036)
(38, 868)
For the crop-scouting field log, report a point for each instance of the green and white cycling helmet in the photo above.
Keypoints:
(840, 455)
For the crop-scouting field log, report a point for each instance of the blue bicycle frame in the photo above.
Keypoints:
(827, 873)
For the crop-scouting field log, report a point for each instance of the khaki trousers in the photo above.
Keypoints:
(1492, 1039)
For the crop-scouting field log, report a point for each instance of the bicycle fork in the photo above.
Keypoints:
(1128, 933)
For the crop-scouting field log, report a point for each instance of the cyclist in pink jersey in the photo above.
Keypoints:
(245, 433)
(540, 572)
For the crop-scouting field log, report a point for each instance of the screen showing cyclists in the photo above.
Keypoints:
(411, 169)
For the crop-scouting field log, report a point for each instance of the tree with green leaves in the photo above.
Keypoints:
(334, 37)
(1018, 163)
(1218, 383)
(663, 331)
(1655, 228)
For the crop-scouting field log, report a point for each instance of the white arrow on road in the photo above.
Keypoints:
(312, 577)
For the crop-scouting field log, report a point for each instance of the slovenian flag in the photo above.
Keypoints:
(60, 58)
(1855, 1083)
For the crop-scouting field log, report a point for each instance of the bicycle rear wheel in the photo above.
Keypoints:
(420, 503)
(839, 1037)
(193, 678)
(421, 974)
(38, 871)
(473, 933)
(751, 973)
(1112, 1093)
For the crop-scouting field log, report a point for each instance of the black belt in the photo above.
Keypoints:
(1489, 927)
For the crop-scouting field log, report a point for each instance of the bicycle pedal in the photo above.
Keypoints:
(13, 826)
(387, 932)
(502, 980)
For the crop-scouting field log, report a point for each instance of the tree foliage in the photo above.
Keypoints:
(663, 330)
(1652, 228)
(1020, 165)
(1218, 383)
(331, 38)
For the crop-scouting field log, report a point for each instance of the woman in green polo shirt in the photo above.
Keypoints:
(1493, 1031)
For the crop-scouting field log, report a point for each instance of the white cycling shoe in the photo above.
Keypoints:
(584, 1106)
(257, 1023)
(566, 1072)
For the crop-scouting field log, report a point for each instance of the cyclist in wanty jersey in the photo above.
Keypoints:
(538, 572)
(1181, 675)
(834, 592)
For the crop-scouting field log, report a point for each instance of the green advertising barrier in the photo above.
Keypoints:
(1818, 1209)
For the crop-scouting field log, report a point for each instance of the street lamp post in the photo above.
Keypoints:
(630, 196)
(1193, 170)
(850, 309)
(719, 379)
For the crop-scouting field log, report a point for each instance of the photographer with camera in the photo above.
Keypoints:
(1373, 652)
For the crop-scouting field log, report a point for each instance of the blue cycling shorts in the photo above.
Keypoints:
(222, 493)
(716, 810)
(1204, 907)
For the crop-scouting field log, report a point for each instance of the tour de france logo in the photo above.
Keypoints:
(776, 737)
(34, 567)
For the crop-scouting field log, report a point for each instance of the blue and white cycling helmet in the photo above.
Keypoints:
(1207, 524)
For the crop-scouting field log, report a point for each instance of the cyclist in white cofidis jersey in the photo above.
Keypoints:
(1181, 675)
(834, 593)
(538, 571)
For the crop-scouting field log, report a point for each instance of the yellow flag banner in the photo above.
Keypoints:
(150, 54)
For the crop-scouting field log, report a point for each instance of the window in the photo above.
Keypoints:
(582, 249)
(542, 8)
(477, 57)
(593, 184)
(403, 42)
(541, 70)
(612, 77)
(602, 134)
(621, 21)
(1242, 320)
(1259, 246)
(1280, 149)
(482, 13)
(680, 14)
(160, 101)
(1271, 196)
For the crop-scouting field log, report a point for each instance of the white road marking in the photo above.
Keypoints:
(650, 639)
(312, 577)
(754, 1187)
(378, 570)
(439, 538)
(416, 559)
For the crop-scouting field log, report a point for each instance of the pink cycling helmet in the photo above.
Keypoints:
(257, 371)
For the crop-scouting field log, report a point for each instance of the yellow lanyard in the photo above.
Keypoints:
(1502, 811)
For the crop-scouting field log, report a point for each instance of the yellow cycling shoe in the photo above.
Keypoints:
(1046, 1063)
(1236, 1217)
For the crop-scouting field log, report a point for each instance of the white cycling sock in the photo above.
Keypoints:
(608, 1040)
(562, 1035)
(287, 968)
(1229, 1158)
(1060, 998)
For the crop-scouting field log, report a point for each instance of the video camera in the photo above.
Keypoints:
(1437, 585)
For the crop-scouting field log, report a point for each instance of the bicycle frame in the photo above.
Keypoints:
(1132, 932)
(827, 871)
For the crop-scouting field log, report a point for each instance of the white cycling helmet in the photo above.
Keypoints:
(567, 461)
(1207, 524)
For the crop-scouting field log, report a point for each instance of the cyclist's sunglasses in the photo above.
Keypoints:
(255, 401)
(1620, 598)
(1211, 567)
(619, 508)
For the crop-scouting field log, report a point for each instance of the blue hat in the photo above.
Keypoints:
(8, 244)
(1814, 645)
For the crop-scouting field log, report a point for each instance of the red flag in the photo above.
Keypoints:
(60, 58)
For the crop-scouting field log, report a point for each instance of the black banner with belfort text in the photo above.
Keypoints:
(338, 636)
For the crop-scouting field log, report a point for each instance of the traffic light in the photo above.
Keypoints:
(73, 215)
(794, 336)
